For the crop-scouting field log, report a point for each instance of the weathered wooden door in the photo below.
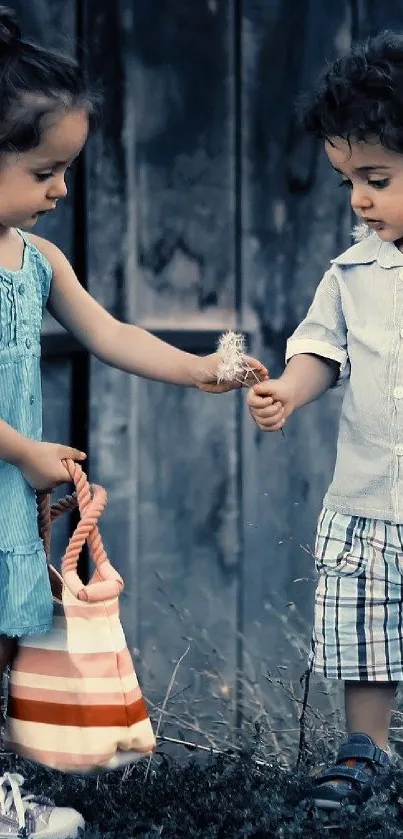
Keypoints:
(200, 206)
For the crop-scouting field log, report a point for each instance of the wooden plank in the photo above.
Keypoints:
(188, 555)
(111, 405)
(179, 59)
(56, 387)
(181, 154)
(294, 222)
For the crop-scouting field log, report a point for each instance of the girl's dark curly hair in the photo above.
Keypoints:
(360, 96)
(35, 83)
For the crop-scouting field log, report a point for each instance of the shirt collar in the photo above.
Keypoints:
(371, 249)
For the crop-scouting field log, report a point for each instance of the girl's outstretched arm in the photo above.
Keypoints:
(123, 345)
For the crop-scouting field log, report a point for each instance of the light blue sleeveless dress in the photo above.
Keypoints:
(25, 595)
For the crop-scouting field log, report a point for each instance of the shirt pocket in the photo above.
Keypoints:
(341, 548)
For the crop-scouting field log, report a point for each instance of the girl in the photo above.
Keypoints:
(45, 111)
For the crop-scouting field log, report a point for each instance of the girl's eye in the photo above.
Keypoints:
(382, 183)
(43, 176)
(345, 183)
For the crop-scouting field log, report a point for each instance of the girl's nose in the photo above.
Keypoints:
(360, 199)
(58, 188)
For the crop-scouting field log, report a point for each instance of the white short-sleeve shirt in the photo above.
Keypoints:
(356, 319)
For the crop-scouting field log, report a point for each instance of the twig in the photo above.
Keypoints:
(195, 727)
(164, 704)
(302, 737)
(210, 749)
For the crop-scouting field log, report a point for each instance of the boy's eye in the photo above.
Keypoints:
(380, 183)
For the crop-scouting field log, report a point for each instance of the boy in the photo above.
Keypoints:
(353, 333)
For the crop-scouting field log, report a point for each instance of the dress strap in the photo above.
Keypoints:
(23, 235)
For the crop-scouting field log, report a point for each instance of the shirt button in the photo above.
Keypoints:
(28, 344)
(399, 450)
(398, 393)
(21, 288)
(31, 399)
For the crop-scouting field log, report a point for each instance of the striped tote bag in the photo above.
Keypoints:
(74, 700)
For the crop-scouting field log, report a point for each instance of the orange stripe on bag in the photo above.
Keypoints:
(91, 729)
(87, 716)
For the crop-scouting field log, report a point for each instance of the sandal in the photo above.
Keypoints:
(358, 763)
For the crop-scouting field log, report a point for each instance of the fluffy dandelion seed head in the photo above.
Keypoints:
(231, 348)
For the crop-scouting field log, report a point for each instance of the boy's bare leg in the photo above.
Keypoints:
(368, 709)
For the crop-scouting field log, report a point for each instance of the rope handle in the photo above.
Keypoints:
(106, 583)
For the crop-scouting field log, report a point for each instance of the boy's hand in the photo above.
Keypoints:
(206, 374)
(270, 404)
(42, 464)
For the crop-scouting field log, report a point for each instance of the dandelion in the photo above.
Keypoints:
(233, 366)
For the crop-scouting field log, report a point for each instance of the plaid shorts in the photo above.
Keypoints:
(358, 629)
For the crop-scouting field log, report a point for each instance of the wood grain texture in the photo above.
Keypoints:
(112, 406)
(188, 552)
(295, 220)
(180, 62)
(182, 170)
(57, 400)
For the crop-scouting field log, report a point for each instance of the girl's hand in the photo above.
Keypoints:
(270, 404)
(206, 373)
(42, 464)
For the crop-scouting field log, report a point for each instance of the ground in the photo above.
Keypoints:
(223, 798)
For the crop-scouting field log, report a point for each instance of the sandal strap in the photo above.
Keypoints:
(354, 774)
(363, 751)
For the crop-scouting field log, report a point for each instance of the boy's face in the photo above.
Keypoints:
(374, 176)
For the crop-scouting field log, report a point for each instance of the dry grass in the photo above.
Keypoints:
(210, 779)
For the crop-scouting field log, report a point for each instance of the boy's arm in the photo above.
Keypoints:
(308, 376)
(317, 360)
(305, 378)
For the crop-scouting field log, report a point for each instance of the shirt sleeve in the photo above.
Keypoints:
(323, 331)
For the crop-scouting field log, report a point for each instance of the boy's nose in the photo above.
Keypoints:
(360, 200)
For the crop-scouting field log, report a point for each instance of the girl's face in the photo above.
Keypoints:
(374, 176)
(32, 182)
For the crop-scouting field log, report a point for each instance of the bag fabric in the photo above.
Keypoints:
(75, 703)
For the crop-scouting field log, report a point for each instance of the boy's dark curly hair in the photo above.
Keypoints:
(360, 96)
